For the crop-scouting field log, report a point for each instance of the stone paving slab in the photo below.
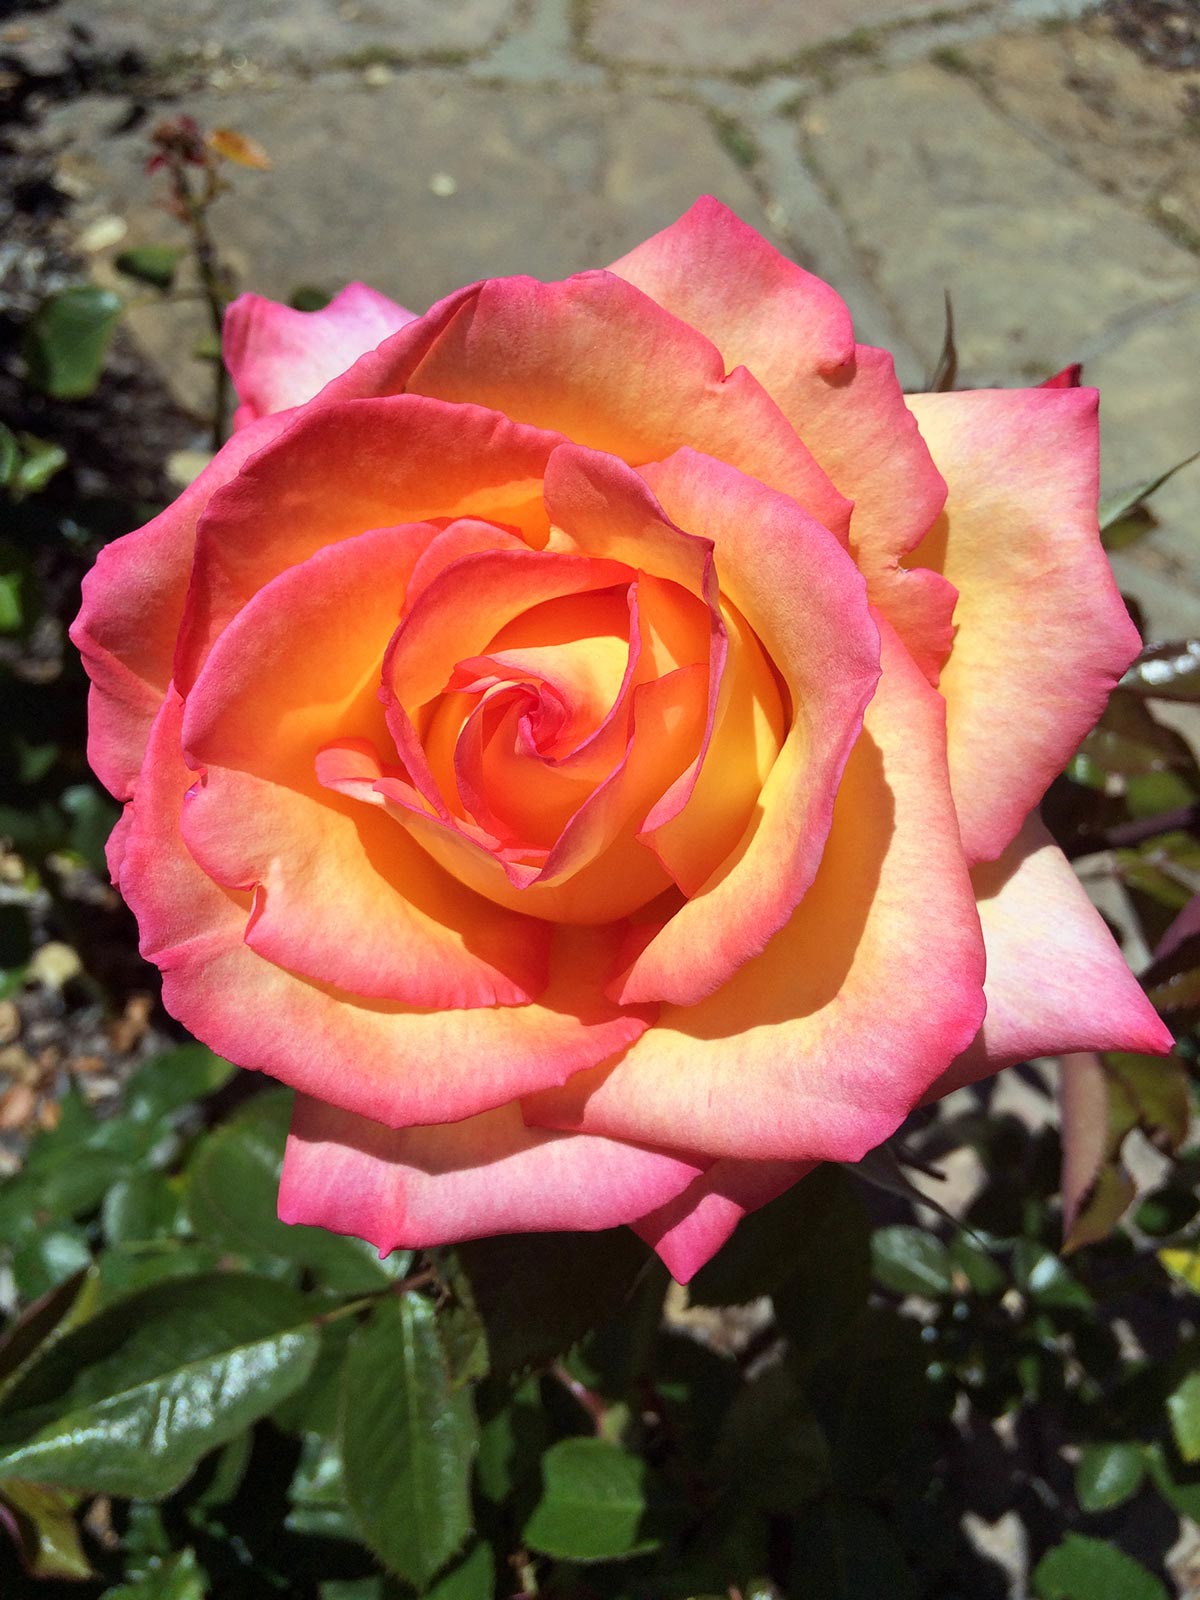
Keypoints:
(715, 36)
(1130, 127)
(421, 186)
(299, 31)
(940, 191)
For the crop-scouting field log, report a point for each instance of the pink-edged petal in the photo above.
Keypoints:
(133, 600)
(1056, 981)
(341, 895)
(279, 357)
(819, 1047)
(390, 1062)
(805, 600)
(690, 1228)
(1042, 634)
(794, 334)
(417, 1187)
(345, 468)
(596, 360)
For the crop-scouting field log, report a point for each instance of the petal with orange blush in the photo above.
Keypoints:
(341, 470)
(594, 359)
(692, 1226)
(818, 1048)
(280, 357)
(343, 896)
(1056, 981)
(418, 1187)
(1042, 634)
(133, 600)
(805, 601)
(386, 1061)
(794, 334)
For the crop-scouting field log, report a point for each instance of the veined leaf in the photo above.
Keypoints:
(407, 1441)
(130, 1401)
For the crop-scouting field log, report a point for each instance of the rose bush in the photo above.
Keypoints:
(586, 739)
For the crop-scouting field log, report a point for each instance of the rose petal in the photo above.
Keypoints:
(594, 359)
(1042, 633)
(133, 599)
(383, 1060)
(818, 1048)
(794, 334)
(1056, 981)
(342, 896)
(805, 600)
(691, 1227)
(418, 1187)
(280, 357)
(341, 470)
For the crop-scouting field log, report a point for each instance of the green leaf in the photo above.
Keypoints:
(1108, 1475)
(844, 1550)
(1115, 506)
(1041, 1275)
(67, 341)
(592, 1275)
(910, 1261)
(178, 1577)
(826, 1290)
(12, 615)
(142, 1208)
(307, 297)
(125, 1271)
(1183, 1408)
(407, 1441)
(39, 1324)
(771, 1452)
(174, 1079)
(1167, 671)
(233, 1187)
(472, 1577)
(970, 1255)
(1093, 1569)
(512, 1438)
(51, 1257)
(128, 1403)
(155, 264)
(318, 1494)
(10, 454)
(40, 460)
(868, 1398)
(594, 1503)
(43, 1520)
(1166, 1211)
(778, 1240)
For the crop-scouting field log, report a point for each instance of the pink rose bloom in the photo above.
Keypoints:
(587, 740)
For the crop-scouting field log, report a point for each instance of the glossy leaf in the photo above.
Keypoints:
(1109, 1474)
(1093, 1569)
(178, 1577)
(911, 1261)
(407, 1441)
(67, 341)
(129, 1402)
(594, 1503)
(592, 1275)
(1167, 672)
